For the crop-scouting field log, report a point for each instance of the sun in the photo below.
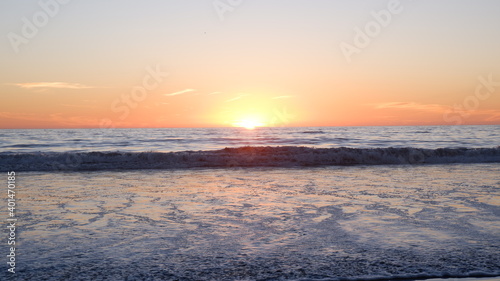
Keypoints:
(250, 122)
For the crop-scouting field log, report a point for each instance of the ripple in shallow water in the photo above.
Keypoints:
(260, 224)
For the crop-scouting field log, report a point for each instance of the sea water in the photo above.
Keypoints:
(184, 139)
(267, 215)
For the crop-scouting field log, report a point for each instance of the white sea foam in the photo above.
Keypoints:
(323, 223)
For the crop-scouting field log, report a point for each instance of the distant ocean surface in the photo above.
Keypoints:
(302, 204)
(182, 139)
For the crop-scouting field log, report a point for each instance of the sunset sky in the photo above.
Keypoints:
(206, 63)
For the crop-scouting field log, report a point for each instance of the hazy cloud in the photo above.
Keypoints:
(488, 115)
(491, 115)
(179, 93)
(79, 106)
(237, 98)
(412, 106)
(53, 85)
(55, 118)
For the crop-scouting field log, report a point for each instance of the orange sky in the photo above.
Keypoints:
(181, 64)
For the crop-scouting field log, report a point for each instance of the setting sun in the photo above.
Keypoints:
(252, 110)
(250, 122)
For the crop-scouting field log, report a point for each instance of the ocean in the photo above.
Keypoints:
(322, 203)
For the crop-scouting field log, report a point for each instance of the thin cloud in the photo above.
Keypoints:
(490, 114)
(487, 115)
(79, 106)
(161, 103)
(53, 85)
(233, 99)
(237, 98)
(412, 106)
(179, 93)
(20, 116)
(214, 93)
(57, 118)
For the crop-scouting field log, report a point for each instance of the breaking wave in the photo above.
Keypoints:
(249, 156)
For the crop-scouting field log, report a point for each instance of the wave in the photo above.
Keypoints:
(248, 156)
(313, 132)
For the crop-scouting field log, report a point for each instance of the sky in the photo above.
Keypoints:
(218, 63)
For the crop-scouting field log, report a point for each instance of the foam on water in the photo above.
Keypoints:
(326, 223)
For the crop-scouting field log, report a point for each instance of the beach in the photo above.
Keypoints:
(318, 223)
